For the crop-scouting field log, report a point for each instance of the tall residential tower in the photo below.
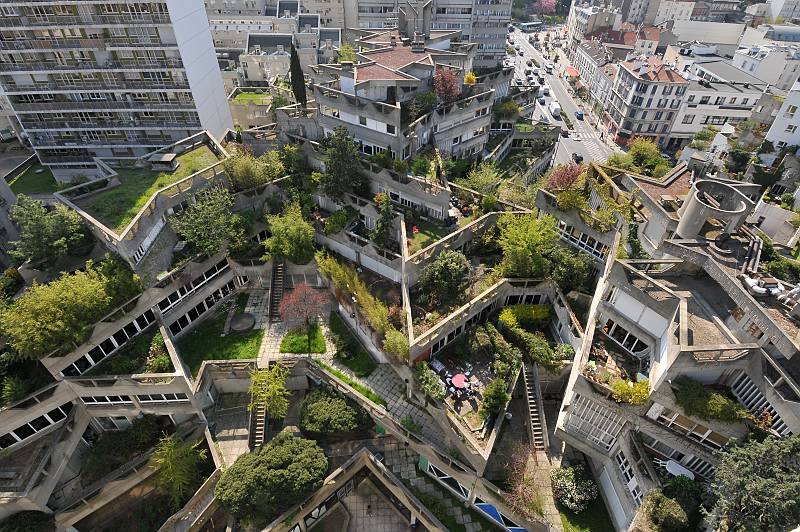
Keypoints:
(112, 80)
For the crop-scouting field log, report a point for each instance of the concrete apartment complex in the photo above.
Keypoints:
(784, 130)
(71, 71)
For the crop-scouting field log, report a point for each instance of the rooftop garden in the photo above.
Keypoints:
(208, 341)
(56, 317)
(572, 188)
(37, 179)
(144, 354)
(349, 350)
(20, 378)
(329, 416)
(422, 232)
(776, 264)
(616, 372)
(707, 402)
(117, 206)
(243, 97)
(643, 157)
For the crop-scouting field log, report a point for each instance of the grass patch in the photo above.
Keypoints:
(244, 98)
(349, 350)
(427, 233)
(118, 206)
(593, 519)
(360, 388)
(206, 343)
(298, 341)
(29, 182)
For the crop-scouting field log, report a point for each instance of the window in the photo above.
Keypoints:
(688, 119)
(691, 98)
(790, 111)
(732, 101)
(704, 100)
(390, 129)
(744, 102)
(720, 100)
(457, 140)
(362, 120)
(791, 128)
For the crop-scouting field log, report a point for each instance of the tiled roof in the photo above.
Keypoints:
(650, 33)
(378, 72)
(382, 37)
(651, 69)
(613, 37)
(396, 57)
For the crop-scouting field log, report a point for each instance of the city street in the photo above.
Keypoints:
(585, 138)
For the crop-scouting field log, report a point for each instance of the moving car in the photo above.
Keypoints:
(579, 114)
(577, 158)
(548, 67)
(541, 100)
(564, 132)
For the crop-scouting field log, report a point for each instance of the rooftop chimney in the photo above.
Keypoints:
(393, 40)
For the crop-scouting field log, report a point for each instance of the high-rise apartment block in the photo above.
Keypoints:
(109, 80)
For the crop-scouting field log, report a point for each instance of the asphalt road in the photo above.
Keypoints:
(584, 139)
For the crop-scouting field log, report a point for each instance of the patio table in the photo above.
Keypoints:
(459, 379)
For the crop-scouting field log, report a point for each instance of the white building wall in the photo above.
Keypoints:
(192, 33)
(785, 130)
(673, 10)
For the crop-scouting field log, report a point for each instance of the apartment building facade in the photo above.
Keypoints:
(778, 65)
(714, 104)
(785, 130)
(645, 99)
(588, 18)
(484, 22)
(106, 80)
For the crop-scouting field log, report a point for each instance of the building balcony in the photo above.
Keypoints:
(122, 124)
(125, 86)
(93, 19)
(93, 105)
(52, 44)
(130, 64)
(77, 142)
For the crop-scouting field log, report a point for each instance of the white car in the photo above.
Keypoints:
(546, 90)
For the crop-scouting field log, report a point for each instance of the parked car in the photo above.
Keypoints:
(541, 100)
(519, 53)
(529, 63)
(577, 158)
(546, 90)
(564, 132)
(555, 109)
(579, 114)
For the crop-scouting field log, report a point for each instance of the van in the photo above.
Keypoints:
(555, 109)
(548, 67)
(6, 134)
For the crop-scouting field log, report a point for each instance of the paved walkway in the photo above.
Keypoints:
(232, 426)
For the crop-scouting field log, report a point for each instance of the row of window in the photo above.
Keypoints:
(597, 423)
(35, 426)
(631, 481)
(626, 339)
(126, 399)
(582, 241)
(719, 100)
(201, 308)
(169, 302)
(108, 346)
(694, 431)
(698, 465)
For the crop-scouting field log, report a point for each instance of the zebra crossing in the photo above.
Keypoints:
(591, 143)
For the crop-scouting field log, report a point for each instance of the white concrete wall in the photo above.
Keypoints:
(192, 33)
(786, 127)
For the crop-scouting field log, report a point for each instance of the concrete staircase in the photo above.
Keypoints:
(538, 430)
(276, 289)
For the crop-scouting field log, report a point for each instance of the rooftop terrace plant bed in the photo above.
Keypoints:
(248, 97)
(298, 341)
(421, 233)
(349, 350)
(117, 206)
(144, 354)
(206, 342)
(37, 179)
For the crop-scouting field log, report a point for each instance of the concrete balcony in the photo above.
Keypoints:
(93, 105)
(93, 19)
(123, 125)
(124, 86)
(132, 64)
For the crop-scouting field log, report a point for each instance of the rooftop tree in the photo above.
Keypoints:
(273, 478)
(303, 303)
(209, 225)
(292, 236)
(268, 387)
(45, 234)
(61, 315)
(298, 79)
(342, 169)
(444, 278)
(446, 84)
(178, 463)
(757, 486)
(384, 226)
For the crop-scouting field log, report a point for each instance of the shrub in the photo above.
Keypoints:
(697, 400)
(158, 360)
(635, 393)
(444, 278)
(687, 492)
(292, 236)
(430, 382)
(571, 199)
(665, 514)
(277, 476)
(326, 412)
(421, 166)
(564, 351)
(10, 282)
(507, 358)
(28, 521)
(495, 397)
(339, 220)
(395, 343)
(573, 488)
(519, 315)
(115, 448)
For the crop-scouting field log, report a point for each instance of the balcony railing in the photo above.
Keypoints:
(129, 85)
(93, 105)
(122, 19)
(133, 64)
(122, 124)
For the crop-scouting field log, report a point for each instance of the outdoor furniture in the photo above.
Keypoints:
(675, 469)
(452, 390)
(437, 366)
(459, 380)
